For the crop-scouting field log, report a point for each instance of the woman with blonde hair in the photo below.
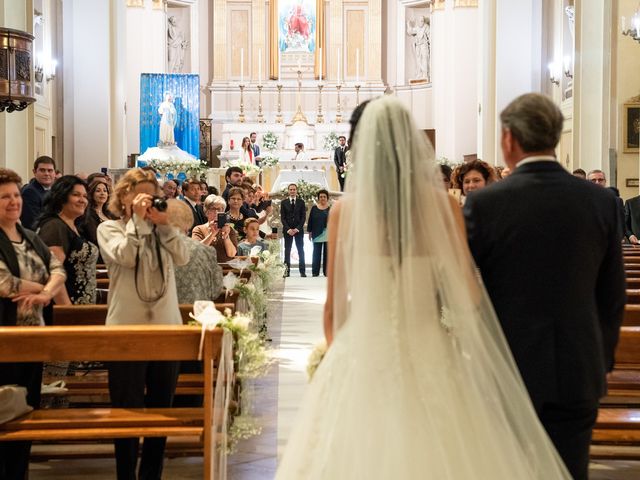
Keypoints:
(141, 250)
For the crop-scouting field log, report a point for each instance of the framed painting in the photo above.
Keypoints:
(296, 27)
(631, 128)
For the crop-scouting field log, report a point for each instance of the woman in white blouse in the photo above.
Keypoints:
(140, 250)
(246, 152)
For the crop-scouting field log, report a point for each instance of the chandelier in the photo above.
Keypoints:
(16, 85)
(634, 31)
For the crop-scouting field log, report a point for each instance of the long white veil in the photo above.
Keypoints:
(419, 381)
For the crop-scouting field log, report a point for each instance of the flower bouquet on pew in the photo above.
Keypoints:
(317, 354)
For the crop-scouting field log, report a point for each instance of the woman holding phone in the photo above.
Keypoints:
(224, 239)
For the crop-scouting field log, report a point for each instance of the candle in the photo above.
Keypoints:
(624, 24)
(279, 65)
(320, 60)
(338, 75)
(241, 65)
(299, 65)
(357, 65)
(260, 67)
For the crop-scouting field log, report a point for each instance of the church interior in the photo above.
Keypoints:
(81, 82)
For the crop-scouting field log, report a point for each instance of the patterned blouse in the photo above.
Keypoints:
(201, 278)
(32, 268)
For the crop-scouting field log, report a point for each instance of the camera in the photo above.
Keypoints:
(159, 203)
(223, 219)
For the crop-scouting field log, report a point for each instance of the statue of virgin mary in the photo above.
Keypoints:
(168, 113)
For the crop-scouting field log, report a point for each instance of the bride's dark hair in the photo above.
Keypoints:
(355, 118)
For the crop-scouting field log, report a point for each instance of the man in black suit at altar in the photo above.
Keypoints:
(293, 214)
(340, 159)
(548, 248)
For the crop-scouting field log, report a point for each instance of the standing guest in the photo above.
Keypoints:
(301, 155)
(191, 191)
(446, 171)
(555, 275)
(97, 211)
(235, 211)
(170, 189)
(293, 213)
(211, 190)
(632, 220)
(225, 239)
(57, 227)
(29, 279)
(472, 176)
(141, 250)
(340, 159)
(246, 152)
(58, 174)
(597, 177)
(252, 238)
(201, 277)
(317, 228)
(255, 147)
(580, 173)
(204, 191)
(233, 176)
(33, 193)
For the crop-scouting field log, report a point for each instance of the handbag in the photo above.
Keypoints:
(13, 402)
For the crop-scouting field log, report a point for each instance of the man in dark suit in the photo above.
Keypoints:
(340, 159)
(44, 172)
(548, 249)
(191, 192)
(255, 148)
(233, 176)
(632, 220)
(293, 213)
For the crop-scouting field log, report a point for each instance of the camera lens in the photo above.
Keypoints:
(159, 204)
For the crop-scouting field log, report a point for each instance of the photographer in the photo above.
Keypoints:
(225, 239)
(140, 250)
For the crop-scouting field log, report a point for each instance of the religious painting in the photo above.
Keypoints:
(631, 128)
(297, 26)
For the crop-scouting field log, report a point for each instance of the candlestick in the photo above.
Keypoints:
(299, 116)
(242, 65)
(339, 108)
(241, 118)
(279, 118)
(320, 117)
(338, 75)
(260, 67)
(357, 95)
(320, 60)
(357, 65)
(279, 65)
(260, 115)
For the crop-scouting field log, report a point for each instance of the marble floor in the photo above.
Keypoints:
(295, 327)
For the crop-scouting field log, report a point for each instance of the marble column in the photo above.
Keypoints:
(219, 22)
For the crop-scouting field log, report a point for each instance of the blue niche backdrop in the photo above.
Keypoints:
(186, 97)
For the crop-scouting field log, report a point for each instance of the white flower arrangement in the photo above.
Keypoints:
(306, 191)
(330, 141)
(269, 160)
(317, 354)
(191, 169)
(249, 169)
(270, 141)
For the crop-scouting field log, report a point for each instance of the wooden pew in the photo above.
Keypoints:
(631, 316)
(116, 343)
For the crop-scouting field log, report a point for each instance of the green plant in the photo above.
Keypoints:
(330, 141)
(270, 141)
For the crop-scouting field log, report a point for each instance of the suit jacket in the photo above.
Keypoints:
(256, 150)
(293, 216)
(548, 249)
(632, 217)
(32, 199)
(198, 214)
(339, 157)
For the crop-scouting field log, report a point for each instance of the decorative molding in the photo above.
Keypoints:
(439, 4)
(465, 3)
(135, 3)
(4, 64)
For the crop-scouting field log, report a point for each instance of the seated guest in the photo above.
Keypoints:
(252, 238)
(632, 220)
(598, 177)
(141, 250)
(234, 209)
(506, 171)
(170, 189)
(224, 239)
(233, 176)
(473, 175)
(30, 276)
(211, 190)
(34, 192)
(57, 227)
(97, 211)
(204, 191)
(317, 228)
(191, 191)
(580, 173)
(201, 277)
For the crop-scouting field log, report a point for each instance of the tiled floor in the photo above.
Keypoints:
(295, 327)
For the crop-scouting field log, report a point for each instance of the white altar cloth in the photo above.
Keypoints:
(285, 177)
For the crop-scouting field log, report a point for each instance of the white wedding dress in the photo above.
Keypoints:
(418, 382)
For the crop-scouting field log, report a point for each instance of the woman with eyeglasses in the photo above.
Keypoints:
(225, 239)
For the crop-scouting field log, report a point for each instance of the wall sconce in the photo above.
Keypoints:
(634, 31)
(554, 75)
(567, 67)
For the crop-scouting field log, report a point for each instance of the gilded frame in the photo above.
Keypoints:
(274, 66)
(631, 122)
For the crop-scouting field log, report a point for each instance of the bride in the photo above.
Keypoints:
(418, 381)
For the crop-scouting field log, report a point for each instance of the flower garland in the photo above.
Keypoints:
(191, 169)
(317, 354)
